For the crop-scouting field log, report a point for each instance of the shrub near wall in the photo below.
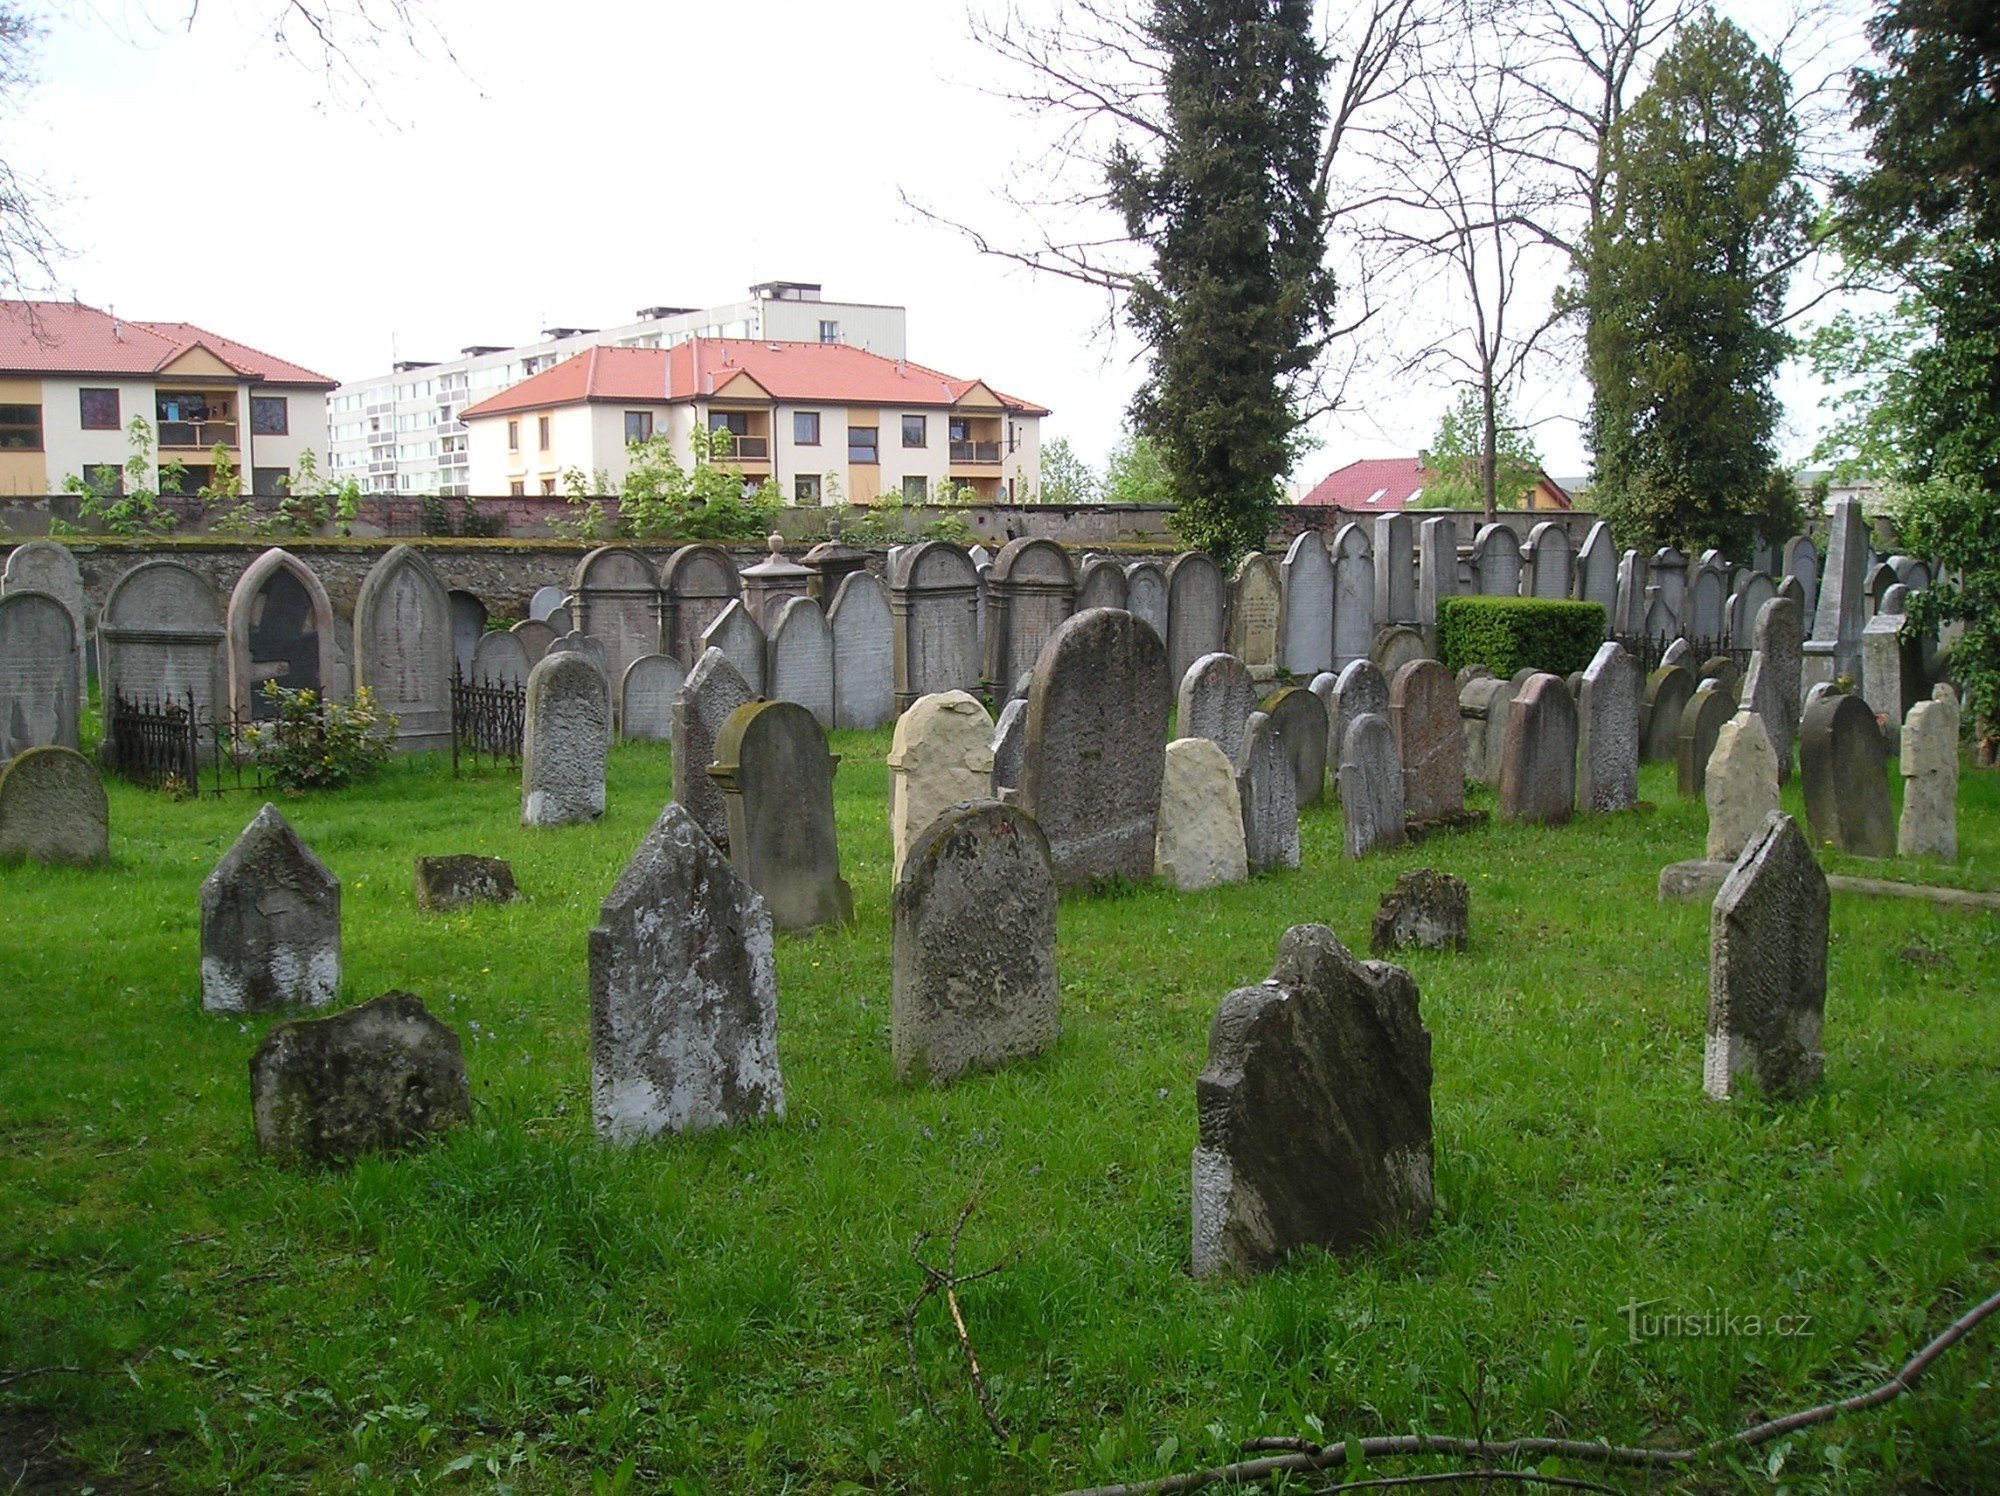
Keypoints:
(1506, 634)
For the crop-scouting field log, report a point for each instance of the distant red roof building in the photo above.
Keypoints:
(1383, 485)
(66, 337)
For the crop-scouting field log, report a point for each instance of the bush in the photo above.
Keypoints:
(1507, 633)
(314, 743)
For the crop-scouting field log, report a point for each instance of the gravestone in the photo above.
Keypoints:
(1100, 584)
(1929, 765)
(1268, 795)
(378, 1078)
(1482, 713)
(1892, 669)
(942, 753)
(564, 742)
(403, 648)
(1538, 764)
(1146, 595)
(280, 629)
(535, 636)
(646, 698)
(696, 583)
(1096, 748)
(1708, 594)
(1314, 1110)
(1741, 785)
(1029, 592)
(1680, 653)
(500, 660)
(683, 993)
(832, 562)
(1773, 685)
(159, 639)
(772, 582)
(1496, 561)
(270, 924)
(1305, 645)
(39, 705)
(1667, 580)
(1767, 968)
(1841, 611)
(1426, 910)
(864, 653)
(741, 638)
(1200, 840)
(1353, 595)
(48, 567)
(544, 601)
(799, 664)
(53, 809)
(450, 883)
(1358, 689)
(1844, 764)
(1423, 713)
(1395, 570)
(1701, 724)
(1217, 696)
(714, 690)
(1197, 600)
(1746, 604)
(615, 598)
(1668, 690)
(1630, 619)
(1009, 742)
(1371, 787)
(1597, 572)
(1607, 763)
(468, 627)
(1323, 686)
(776, 777)
(973, 971)
(1799, 559)
(1395, 647)
(562, 621)
(1298, 717)
(1437, 570)
(933, 603)
(576, 641)
(1548, 560)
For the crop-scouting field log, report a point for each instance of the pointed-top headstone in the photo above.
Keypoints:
(1767, 968)
(270, 924)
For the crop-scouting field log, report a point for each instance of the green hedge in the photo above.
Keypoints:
(1507, 633)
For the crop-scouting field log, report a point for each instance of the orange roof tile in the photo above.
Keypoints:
(1373, 484)
(66, 337)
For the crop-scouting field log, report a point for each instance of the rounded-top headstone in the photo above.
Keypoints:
(1423, 712)
(776, 774)
(565, 741)
(1844, 763)
(1217, 695)
(53, 809)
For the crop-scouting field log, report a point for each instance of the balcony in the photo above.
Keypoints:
(976, 452)
(730, 448)
(196, 435)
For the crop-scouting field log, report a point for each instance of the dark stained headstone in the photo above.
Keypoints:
(159, 639)
(1538, 764)
(404, 639)
(1354, 620)
(1146, 595)
(565, 740)
(1371, 787)
(1426, 910)
(1423, 712)
(776, 777)
(1666, 695)
(468, 627)
(1767, 968)
(456, 881)
(1256, 608)
(270, 924)
(39, 653)
(1299, 719)
(1701, 724)
(280, 629)
(1844, 764)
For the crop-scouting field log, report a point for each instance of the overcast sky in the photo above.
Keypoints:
(578, 162)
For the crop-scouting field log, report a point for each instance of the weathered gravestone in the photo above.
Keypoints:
(1548, 558)
(1707, 598)
(1496, 561)
(973, 975)
(1607, 762)
(1423, 713)
(776, 777)
(1482, 711)
(159, 640)
(683, 993)
(1009, 743)
(1217, 696)
(1360, 688)
(1701, 724)
(458, 881)
(1772, 688)
(1799, 559)
(1146, 595)
(1426, 910)
(544, 600)
(564, 741)
(1396, 646)
(47, 567)
(1354, 623)
(934, 602)
(1437, 570)
(864, 662)
(646, 698)
(1929, 765)
(1741, 785)
(1197, 599)
(1029, 592)
(1597, 572)
(1679, 653)
(1668, 690)
(1745, 604)
(1315, 1111)
(1100, 584)
(1841, 606)
(942, 753)
(577, 642)
(270, 924)
(696, 583)
(535, 636)
(1767, 968)
(1200, 840)
(1299, 719)
(773, 582)
(1256, 607)
(1371, 787)
(501, 660)
(280, 629)
(1096, 749)
(1268, 795)
(39, 704)
(1395, 569)
(403, 648)
(1538, 764)
(1305, 644)
(616, 600)
(562, 621)
(714, 690)
(1845, 768)
(53, 809)
(378, 1078)
(468, 627)
(741, 638)
(799, 666)
(1892, 667)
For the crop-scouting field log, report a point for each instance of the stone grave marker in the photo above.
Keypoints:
(403, 648)
(934, 601)
(160, 639)
(1354, 623)
(1146, 595)
(458, 881)
(53, 809)
(1197, 600)
(1256, 614)
(1395, 647)
(535, 636)
(1217, 696)
(1741, 785)
(615, 598)
(1667, 693)
(646, 698)
(48, 567)
(1268, 795)
(280, 629)
(544, 601)
(1496, 561)
(1395, 569)
(1200, 839)
(1772, 688)
(1607, 765)
(942, 753)
(1029, 592)
(1306, 621)
(696, 583)
(1841, 611)
(776, 776)
(1767, 968)
(39, 705)
(1482, 712)
(1701, 725)
(1423, 713)
(1009, 742)
(1929, 765)
(1299, 719)
(1437, 570)
(564, 741)
(1844, 764)
(500, 660)
(468, 627)
(1548, 558)
(741, 638)
(799, 665)
(1426, 910)
(1359, 688)
(270, 924)
(714, 690)
(1597, 572)
(1371, 787)
(1100, 584)
(1538, 764)
(864, 653)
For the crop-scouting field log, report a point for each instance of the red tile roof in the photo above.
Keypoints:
(819, 373)
(66, 337)
(1373, 484)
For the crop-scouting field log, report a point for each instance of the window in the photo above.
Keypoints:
(805, 488)
(270, 483)
(735, 422)
(105, 479)
(548, 488)
(270, 415)
(517, 489)
(829, 332)
(98, 409)
(513, 436)
(916, 488)
(861, 444)
(542, 432)
(916, 431)
(21, 426)
(805, 428)
(638, 426)
(958, 429)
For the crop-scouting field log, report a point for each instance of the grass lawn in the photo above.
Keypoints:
(519, 1308)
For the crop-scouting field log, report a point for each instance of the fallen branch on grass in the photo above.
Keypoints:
(947, 1281)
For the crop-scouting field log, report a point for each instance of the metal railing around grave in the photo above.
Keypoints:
(488, 719)
(163, 743)
(1648, 649)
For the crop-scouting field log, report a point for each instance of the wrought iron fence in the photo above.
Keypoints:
(163, 743)
(488, 719)
(1649, 649)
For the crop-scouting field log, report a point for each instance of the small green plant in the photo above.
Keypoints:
(131, 507)
(314, 744)
(585, 494)
(661, 500)
(1507, 634)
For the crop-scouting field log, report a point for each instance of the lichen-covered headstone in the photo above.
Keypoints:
(1423, 713)
(49, 567)
(1354, 620)
(1483, 706)
(934, 599)
(1217, 696)
(1100, 584)
(1146, 595)
(696, 583)
(1268, 793)
(714, 689)
(377, 1078)
(942, 752)
(646, 696)
(614, 597)
(455, 881)
(1256, 605)
(1315, 1111)
(1200, 841)
(1767, 968)
(565, 741)
(1299, 719)
(1426, 910)
(1929, 764)
(159, 639)
(1030, 590)
(270, 924)
(53, 809)
(1371, 787)
(864, 663)
(1607, 764)
(1359, 689)
(776, 776)
(1701, 724)
(683, 993)
(1844, 765)
(973, 975)
(500, 659)
(1538, 764)
(1741, 785)
(39, 650)
(738, 636)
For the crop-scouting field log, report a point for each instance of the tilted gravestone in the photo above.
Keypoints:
(1315, 1111)
(1256, 608)
(1929, 765)
(646, 698)
(942, 753)
(1268, 794)
(864, 653)
(741, 638)
(280, 626)
(1701, 724)
(1217, 696)
(53, 809)
(39, 704)
(159, 640)
(1358, 689)
(1845, 768)
(973, 971)
(458, 881)
(1741, 785)
(1892, 668)
(1100, 584)
(1009, 742)
(1305, 645)
(776, 776)
(683, 993)
(500, 660)
(270, 924)
(1423, 713)
(1298, 717)
(696, 583)
(1029, 592)
(403, 648)
(1538, 764)
(377, 1078)
(714, 690)
(1354, 622)
(1096, 748)
(1200, 840)
(1773, 687)
(799, 665)
(1607, 765)
(1679, 653)
(1666, 695)
(1482, 714)
(564, 741)
(934, 602)
(1197, 600)
(617, 601)
(48, 567)
(1371, 787)
(1426, 910)
(1767, 968)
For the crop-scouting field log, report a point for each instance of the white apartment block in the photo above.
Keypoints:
(401, 432)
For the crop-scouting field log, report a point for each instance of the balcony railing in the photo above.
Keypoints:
(197, 435)
(742, 448)
(975, 452)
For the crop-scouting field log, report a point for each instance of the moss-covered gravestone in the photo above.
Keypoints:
(52, 809)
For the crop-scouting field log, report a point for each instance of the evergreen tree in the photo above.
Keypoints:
(1457, 457)
(1237, 301)
(1684, 285)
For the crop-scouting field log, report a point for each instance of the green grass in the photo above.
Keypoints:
(519, 1307)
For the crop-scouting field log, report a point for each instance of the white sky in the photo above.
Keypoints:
(583, 161)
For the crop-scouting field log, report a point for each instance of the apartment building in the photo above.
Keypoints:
(829, 422)
(403, 432)
(72, 378)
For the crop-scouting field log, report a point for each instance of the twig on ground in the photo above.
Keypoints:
(8, 1378)
(947, 1281)
(1472, 1477)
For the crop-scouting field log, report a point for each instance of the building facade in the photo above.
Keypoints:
(403, 432)
(73, 379)
(828, 422)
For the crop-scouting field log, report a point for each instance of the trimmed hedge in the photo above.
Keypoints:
(1506, 634)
